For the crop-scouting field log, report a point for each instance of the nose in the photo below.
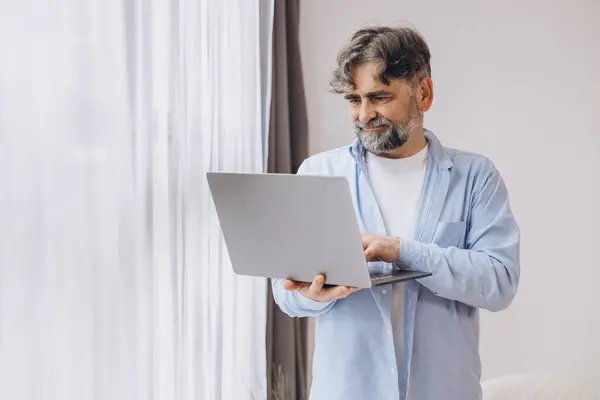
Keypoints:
(367, 112)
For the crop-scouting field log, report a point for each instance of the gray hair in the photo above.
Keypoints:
(399, 53)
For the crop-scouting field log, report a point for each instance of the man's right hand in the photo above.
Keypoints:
(315, 290)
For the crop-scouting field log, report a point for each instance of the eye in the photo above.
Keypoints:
(354, 101)
(379, 98)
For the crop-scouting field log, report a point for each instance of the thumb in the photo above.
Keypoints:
(365, 241)
(369, 253)
(290, 285)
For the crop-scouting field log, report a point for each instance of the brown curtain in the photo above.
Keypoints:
(287, 351)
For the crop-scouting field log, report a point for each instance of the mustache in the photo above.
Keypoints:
(379, 121)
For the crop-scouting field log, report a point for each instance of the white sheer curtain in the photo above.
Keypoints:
(114, 279)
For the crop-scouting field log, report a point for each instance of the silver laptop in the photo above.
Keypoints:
(294, 227)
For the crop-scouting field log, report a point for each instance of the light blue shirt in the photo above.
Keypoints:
(466, 235)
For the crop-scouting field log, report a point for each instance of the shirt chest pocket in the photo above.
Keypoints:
(450, 234)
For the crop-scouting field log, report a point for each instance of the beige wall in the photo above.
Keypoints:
(519, 82)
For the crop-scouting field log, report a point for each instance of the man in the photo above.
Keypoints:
(421, 206)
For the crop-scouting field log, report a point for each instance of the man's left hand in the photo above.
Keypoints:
(380, 248)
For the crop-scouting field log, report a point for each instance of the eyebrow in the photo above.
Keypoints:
(377, 93)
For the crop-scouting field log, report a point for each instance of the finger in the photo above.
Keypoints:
(340, 292)
(370, 254)
(290, 285)
(316, 286)
(351, 289)
(293, 285)
(365, 240)
(337, 292)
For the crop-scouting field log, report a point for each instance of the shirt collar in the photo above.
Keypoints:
(437, 152)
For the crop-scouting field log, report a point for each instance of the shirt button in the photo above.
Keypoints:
(393, 371)
(384, 291)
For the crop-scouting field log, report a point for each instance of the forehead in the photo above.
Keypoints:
(365, 77)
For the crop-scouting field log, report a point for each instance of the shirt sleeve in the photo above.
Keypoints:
(296, 305)
(486, 273)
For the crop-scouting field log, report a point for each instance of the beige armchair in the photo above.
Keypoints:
(543, 387)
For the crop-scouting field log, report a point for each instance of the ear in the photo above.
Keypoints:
(425, 94)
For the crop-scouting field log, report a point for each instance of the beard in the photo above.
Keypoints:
(396, 135)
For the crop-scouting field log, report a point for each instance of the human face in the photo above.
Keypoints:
(385, 116)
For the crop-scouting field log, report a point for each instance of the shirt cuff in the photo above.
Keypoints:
(410, 255)
(309, 304)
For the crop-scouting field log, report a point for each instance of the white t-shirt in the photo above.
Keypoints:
(397, 185)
